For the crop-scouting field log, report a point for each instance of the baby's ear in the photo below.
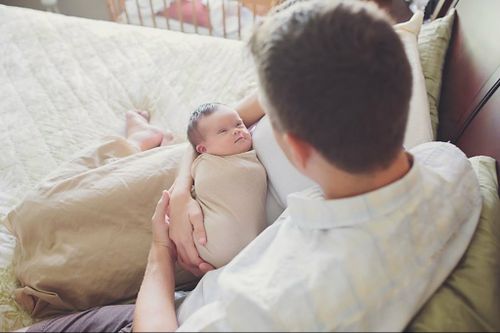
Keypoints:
(201, 148)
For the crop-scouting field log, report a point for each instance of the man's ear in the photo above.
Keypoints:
(299, 150)
(200, 148)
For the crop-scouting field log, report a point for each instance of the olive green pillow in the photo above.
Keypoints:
(469, 299)
(433, 41)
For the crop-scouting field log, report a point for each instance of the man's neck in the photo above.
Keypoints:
(338, 184)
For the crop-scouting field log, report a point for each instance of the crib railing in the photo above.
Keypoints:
(223, 18)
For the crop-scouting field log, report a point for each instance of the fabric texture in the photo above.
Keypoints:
(231, 191)
(364, 263)
(433, 42)
(84, 234)
(469, 299)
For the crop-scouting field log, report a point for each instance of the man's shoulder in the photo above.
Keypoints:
(437, 152)
(445, 165)
(442, 157)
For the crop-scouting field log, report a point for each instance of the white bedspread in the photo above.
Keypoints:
(65, 82)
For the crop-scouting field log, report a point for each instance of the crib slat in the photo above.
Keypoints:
(195, 17)
(224, 17)
(111, 10)
(209, 18)
(166, 14)
(139, 12)
(240, 3)
(123, 6)
(179, 13)
(153, 15)
(254, 10)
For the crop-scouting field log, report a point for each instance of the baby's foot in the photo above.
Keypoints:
(144, 114)
(140, 132)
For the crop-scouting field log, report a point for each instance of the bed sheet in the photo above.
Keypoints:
(65, 82)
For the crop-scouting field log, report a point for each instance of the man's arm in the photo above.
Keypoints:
(250, 109)
(155, 309)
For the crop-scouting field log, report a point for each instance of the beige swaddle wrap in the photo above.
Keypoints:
(231, 191)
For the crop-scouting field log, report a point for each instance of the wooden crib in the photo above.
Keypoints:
(231, 19)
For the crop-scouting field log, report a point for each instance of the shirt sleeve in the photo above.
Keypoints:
(238, 315)
(208, 318)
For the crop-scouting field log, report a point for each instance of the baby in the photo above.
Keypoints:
(230, 183)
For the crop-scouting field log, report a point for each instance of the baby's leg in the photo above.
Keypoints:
(142, 134)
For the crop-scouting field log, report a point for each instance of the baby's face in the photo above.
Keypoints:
(223, 133)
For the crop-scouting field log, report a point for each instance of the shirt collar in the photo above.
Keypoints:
(311, 210)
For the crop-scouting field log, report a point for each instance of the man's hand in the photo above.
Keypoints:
(154, 307)
(187, 225)
(160, 225)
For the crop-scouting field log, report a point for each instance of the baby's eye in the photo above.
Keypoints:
(221, 131)
(239, 124)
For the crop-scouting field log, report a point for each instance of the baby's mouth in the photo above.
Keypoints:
(239, 138)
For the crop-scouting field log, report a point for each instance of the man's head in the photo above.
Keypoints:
(218, 130)
(334, 75)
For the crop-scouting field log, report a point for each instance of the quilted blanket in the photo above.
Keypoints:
(65, 82)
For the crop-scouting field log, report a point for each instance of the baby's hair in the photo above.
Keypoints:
(206, 109)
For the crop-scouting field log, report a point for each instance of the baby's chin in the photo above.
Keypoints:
(243, 147)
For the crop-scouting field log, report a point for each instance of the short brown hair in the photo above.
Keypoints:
(336, 75)
(193, 134)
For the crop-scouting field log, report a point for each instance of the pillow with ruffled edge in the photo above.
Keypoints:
(418, 129)
(433, 41)
(469, 299)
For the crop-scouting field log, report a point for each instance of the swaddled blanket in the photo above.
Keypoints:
(231, 191)
(85, 232)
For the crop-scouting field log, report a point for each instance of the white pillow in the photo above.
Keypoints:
(419, 128)
(284, 179)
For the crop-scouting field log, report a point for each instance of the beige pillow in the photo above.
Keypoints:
(433, 42)
(84, 234)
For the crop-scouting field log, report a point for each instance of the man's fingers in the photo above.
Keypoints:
(199, 233)
(191, 260)
(161, 206)
(205, 267)
(166, 199)
(193, 269)
(192, 255)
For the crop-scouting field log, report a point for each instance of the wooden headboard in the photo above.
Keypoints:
(469, 109)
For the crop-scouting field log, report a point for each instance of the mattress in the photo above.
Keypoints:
(65, 82)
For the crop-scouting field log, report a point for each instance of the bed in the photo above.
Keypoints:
(65, 82)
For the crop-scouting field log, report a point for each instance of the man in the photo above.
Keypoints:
(385, 227)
